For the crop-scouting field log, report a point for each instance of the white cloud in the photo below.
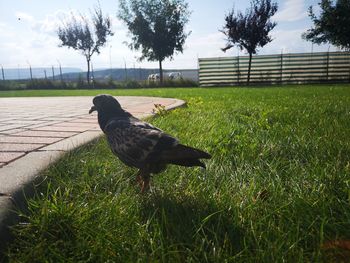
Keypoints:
(207, 45)
(290, 41)
(36, 41)
(6, 31)
(51, 22)
(117, 24)
(286, 40)
(292, 10)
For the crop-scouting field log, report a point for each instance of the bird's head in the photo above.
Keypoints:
(105, 103)
(108, 108)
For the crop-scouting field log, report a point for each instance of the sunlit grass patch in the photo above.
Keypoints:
(276, 189)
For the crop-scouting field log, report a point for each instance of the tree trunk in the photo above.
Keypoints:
(249, 67)
(160, 72)
(88, 70)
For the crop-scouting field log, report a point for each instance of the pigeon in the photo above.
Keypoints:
(139, 144)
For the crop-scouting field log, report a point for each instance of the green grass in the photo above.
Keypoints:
(276, 189)
(92, 92)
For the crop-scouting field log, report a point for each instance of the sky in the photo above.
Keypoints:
(28, 33)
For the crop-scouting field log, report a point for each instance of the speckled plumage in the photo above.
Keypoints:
(139, 144)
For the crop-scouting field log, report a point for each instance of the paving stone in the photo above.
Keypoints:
(46, 134)
(13, 131)
(161, 101)
(42, 117)
(77, 124)
(10, 127)
(84, 120)
(57, 119)
(23, 122)
(140, 111)
(73, 142)
(5, 119)
(6, 157)
(46, 123)
(97, 128)
(19, 147)
(92, 116)
(74, 114)
(20, 139)
(63, 129)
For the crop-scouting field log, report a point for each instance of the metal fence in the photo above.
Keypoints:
(276, 69)
(76, 74)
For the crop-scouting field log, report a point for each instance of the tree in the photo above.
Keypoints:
(250, 30)
(86, 36)
(157, 27)
(333, 24)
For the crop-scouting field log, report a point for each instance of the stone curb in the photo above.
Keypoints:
(19, 178)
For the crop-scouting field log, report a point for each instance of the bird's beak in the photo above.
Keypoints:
(93, 108)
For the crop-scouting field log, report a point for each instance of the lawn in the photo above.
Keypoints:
(276, 190)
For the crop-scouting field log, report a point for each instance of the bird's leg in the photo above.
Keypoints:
(139, 178)
(145, 178)
(145, 183)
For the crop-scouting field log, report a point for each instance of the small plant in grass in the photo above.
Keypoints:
(159, 109)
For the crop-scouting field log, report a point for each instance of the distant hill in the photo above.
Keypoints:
(24, 73)
(121, 74)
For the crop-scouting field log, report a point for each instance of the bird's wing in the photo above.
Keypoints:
(134, 141)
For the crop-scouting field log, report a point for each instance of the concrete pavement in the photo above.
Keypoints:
(35, 132)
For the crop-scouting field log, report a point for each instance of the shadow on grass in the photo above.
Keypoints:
(185, 228)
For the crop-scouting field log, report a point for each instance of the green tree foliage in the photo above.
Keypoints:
(250, 30)
(157, 27)
(332, 25)
(86, 36)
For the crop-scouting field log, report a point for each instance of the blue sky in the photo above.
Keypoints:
(28, 33)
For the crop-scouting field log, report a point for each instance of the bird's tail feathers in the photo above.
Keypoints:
(188, 162)
(185, 156)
